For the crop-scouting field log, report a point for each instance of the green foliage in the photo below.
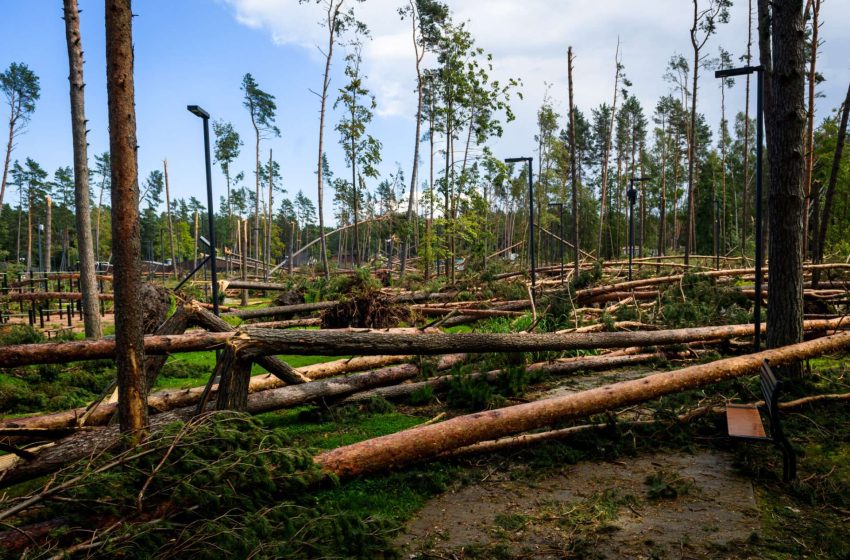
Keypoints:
(467, 393)
(19, 334)
(230, 485)
(588, 277)
(422, 396)
(704, 303)
(667, 485)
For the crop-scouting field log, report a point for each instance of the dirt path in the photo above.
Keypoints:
(655, 506)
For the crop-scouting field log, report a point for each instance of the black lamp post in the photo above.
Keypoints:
(530, 214)
(632, 194)
(198, 112)
(560, 206)
(759, 72)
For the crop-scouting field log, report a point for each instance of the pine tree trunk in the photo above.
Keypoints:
(745, 210)
(573, 165)
(170, 224)
(785, 121)
(126, 242)
(810, 124)
(29, 230)
(48, 235)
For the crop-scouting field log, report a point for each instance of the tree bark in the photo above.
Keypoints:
(426, 442)
(126, 243)
(573, 164)
(273, 365)
(343, 342)
(170, 225)
(171, 399)
(282, 310)
(414, 174)
(830, 189)
(810, 123)
(785, 122)
(48, 235)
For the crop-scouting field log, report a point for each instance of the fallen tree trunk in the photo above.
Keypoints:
(171, 399)
(281, 369)
(259, 342)
(478, 313)
(78, 445)
(558, 367)
(16, 355)
(526, 440)
(426, 442)
(289, 323)
(588, 293)
(44, 296)
(52, 277)
(255, 343)
(251, 285)
(282, 310)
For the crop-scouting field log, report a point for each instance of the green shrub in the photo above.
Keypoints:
(422, 396)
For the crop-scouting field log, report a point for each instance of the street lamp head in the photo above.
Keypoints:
(742, 71)
(517, 159)
(197, 111)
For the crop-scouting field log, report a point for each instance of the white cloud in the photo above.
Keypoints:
(529, 41)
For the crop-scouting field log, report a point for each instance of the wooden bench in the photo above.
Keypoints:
(744, 421)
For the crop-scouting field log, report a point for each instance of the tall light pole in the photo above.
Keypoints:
(632, 194)
(530, 214)
(198, 112)
(759, 72)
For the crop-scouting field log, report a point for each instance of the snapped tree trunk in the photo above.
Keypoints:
(126, 241)
(170, 225)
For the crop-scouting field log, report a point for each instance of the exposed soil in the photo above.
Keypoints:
(655, 506)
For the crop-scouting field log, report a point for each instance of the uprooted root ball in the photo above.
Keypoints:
(369, 309)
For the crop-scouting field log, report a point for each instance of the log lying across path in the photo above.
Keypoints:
(426, 442)
(254, 343)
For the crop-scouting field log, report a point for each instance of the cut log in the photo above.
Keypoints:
(426, 442)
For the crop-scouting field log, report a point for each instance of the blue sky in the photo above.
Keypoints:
(196, 52)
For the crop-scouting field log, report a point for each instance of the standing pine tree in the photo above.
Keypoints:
(21, 88)
(262, 108)
(362, 150)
